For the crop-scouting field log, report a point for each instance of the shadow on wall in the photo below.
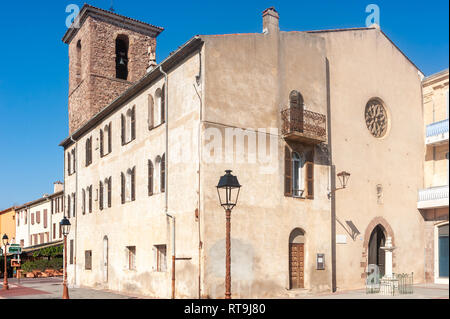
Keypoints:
(350, 228)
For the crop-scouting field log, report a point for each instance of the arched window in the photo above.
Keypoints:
(298, 162)
(122, 57)
(128, 181)
(150, 178)
(163, 104)
(108, 192)
(78, 62)
(90, 198)
(101, 197)
(83, 201)
(69, 164)
(159, 104)
(89, 151)
(150, 112)
(128, 125)
(158, 173)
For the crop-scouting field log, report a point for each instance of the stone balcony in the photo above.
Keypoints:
(303, 126)
(433, 197)
(437, 133)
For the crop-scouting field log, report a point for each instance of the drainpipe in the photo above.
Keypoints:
(75, 209)
(200, 243)
(332, 182)
(166, 175)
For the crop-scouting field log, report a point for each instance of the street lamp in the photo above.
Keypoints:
(343, 178)
(5, 277)
(228, 191)
(65, 228)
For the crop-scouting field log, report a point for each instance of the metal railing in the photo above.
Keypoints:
(437, 128)
(405, 283)
(433, 193)
(303, 121)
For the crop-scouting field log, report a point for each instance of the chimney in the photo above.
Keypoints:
(58, 187)
(270, 21)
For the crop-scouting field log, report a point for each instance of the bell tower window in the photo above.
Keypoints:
(122, 57)
(78, 62)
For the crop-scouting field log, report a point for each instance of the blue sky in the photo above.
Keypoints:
(34, 62)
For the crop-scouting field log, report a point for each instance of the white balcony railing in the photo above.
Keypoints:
(437, 133)
(433, 197)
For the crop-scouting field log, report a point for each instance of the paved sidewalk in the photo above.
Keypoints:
(51, 288)
(421, 291)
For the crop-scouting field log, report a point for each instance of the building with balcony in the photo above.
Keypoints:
(286, 111)
(433, 198)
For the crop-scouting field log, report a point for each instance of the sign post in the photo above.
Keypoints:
(14, 249)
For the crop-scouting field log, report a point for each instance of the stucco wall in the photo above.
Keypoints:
(248, 81)
(142, 223)
(365, 64)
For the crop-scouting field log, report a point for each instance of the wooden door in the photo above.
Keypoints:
(296, 265)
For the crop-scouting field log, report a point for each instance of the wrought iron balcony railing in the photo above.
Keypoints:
(302, 125)
(437, 133)
(437, 128)
(433, 197)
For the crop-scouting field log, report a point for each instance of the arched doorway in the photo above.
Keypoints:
(297, 259)
(376, 254)
(105, 259)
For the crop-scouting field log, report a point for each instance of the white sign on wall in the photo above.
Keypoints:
(341, 239)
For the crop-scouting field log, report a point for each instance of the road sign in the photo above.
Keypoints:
(15, 249)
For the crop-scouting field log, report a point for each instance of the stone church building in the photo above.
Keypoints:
(286, 112)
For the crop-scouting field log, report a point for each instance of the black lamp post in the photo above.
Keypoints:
(228, 191)
(5, 277)
(65, 227)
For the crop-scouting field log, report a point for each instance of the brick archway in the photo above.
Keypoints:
(388, 232)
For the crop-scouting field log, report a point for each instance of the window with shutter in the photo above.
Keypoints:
(68, 206)
(133, 182)
(83, 201)
(101, 143)
(150, 112)
(163, 173)
(32, 218)
(122, 119)
(109, 139)
(45, 218)
(163, 105)
(150, 178)
(109, 191)
(309, 180)
(90, 199)
(54, 231)
(133, 123)
(69, 160)
(38, 217)
(122, 187)
(71, 252)
(100, 202)
(88, 260)
(74, 206)
(287, 172)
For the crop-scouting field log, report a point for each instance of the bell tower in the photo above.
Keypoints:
(107, 54)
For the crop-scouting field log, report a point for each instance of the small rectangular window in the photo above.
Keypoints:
(131, 257)
(160, 252)
(88, 260)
